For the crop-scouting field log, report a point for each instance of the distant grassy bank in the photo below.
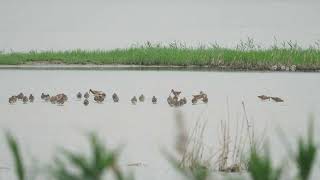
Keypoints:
(245, 57)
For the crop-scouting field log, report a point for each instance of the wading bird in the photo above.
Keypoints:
(194, 100)
(99, 98)
(264, 97)
(205, 99)
(98, 93)
(86, 95)
(170, 101)
(42, 96)
(181, 102)
(115, 97)
(20, 96)
(277, 99)
(60, 101)
(184, 100)
(31, 98)
(86, 102)
(12, 99)
(154, 100)
(134, 100)
(45, 97)
(79, 95)
(25, 99)
(53, 99)
(175, 93)
(141, 98)
(61, 98)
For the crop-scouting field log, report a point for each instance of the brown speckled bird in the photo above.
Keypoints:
(264, 97)
(98, 93)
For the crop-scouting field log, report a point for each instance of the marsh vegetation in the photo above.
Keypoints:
(189, 160)
(247, 55)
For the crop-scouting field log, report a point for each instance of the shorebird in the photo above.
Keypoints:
(25, 99)
(115, 97)
(79, 95)
(62, 96)
(264, 97)
(184, 100)
(175, 93)
(204, 96)
(277, 99)
(134, 100)
(198, 96)
(60, 101)
(12, 99)
(205, 99)
(194, 100)
(45, 97)
(175, 98)
(65, 97)
(141, 98)
(42, 95)
(98, 93)
(154, 100)
(86, 95)
(31, 98)
(86, 102)
(20, 96)
(99, 98)
(53, 99)
(170, 101)
(181, 102)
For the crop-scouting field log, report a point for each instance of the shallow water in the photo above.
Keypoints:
(146, 129)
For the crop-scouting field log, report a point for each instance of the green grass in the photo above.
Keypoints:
(260, 167)
(88, 167)
(245, 56)
(15, 151)
(306, 154)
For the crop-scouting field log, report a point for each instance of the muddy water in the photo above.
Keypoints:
(146, 129)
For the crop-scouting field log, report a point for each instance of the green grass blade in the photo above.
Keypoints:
(14, 148)
(306, 155)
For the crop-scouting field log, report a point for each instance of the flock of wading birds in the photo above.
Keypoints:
(174, 98)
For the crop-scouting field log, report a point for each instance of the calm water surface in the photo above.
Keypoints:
(146, 129)
(99, 24)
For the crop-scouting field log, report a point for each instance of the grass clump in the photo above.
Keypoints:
(197, 161)
(191, 162)
(260, 167)
(306, 154)
(74, 166)
(15, 151)
(87, 167)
